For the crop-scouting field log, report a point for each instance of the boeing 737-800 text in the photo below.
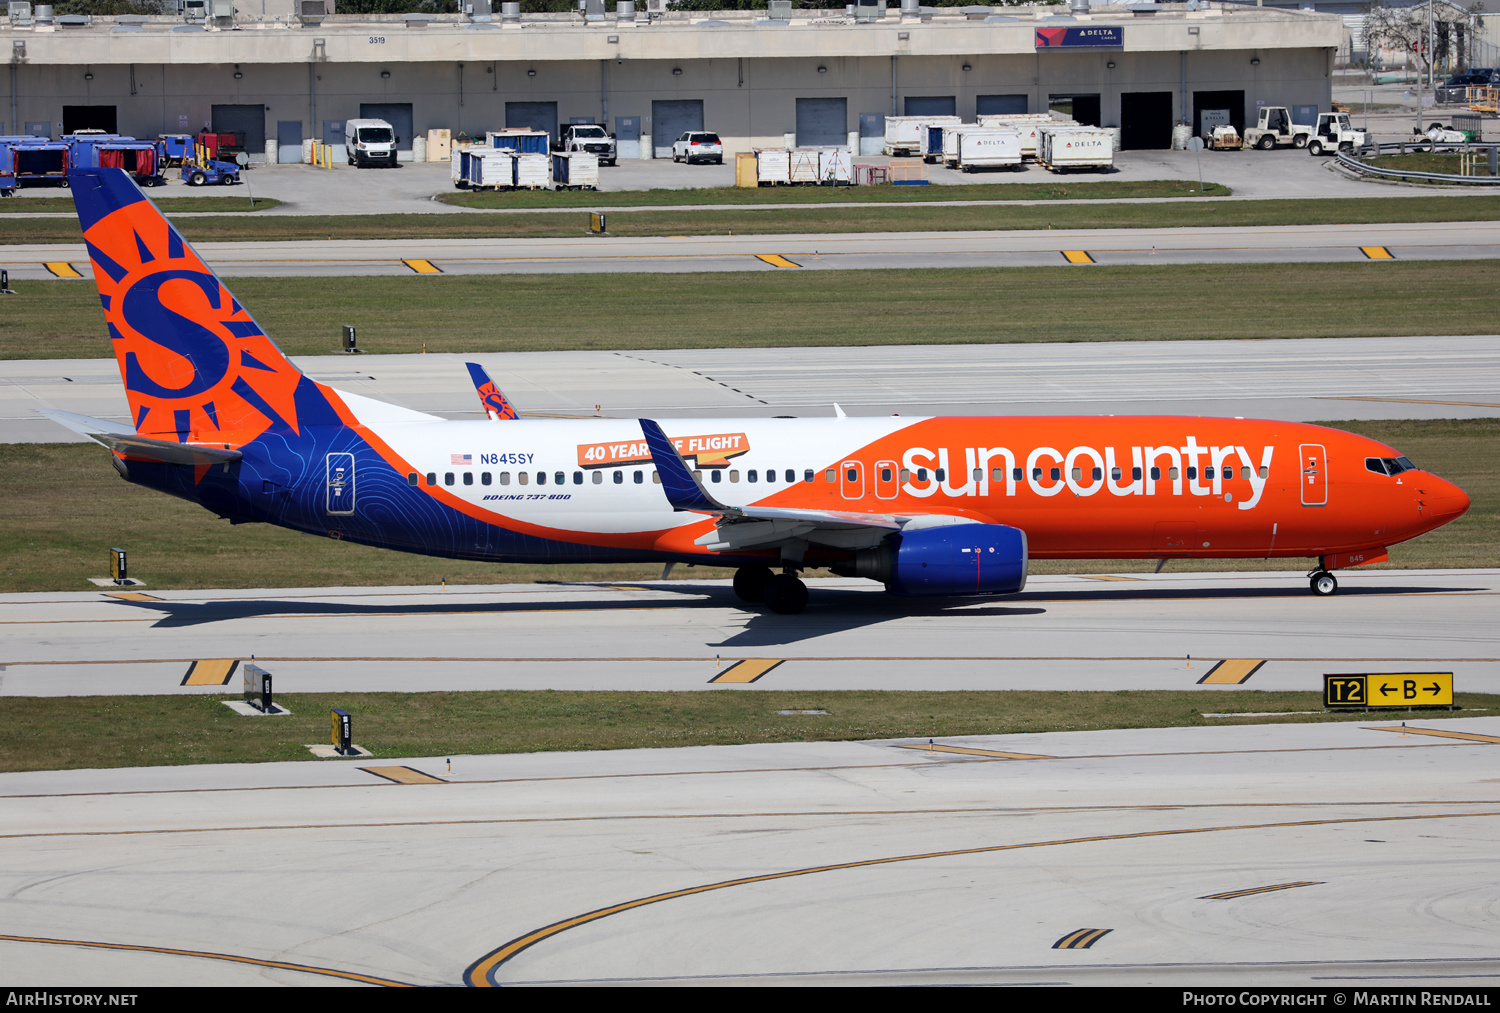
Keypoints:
(927, 506)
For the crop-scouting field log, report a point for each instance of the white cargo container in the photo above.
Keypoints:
(978, 149)
(488, 168)
(907, 135)
(1074, 147)
(1027, 123)
(803, 166)
(835, 165)
(533, 172)
(950, 131)
(773, 165)
(575, 170)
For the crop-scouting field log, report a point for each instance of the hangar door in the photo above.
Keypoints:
(670, 119)
(249, 120)
(1145, 120)
(931, 105)
(536, 115)
(397, 114)
(1233, 101)
(88, 118)
(1000, 105)
(822, 122)
(1082, 108)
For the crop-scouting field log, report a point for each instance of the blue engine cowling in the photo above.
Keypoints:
(955, 559)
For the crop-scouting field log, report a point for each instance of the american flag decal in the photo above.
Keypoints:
(460, 458)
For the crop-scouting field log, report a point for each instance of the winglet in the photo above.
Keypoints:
(683, 491)
(495, 404)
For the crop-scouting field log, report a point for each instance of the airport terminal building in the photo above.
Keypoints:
(817, 78)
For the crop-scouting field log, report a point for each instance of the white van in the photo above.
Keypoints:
(370, 142)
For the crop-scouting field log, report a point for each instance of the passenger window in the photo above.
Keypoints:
(559, 479)
(698, 476)
(905, 474)
(523, 477)
(750, 476)
(619, 478)
(505, 478)
(807, 476)
(577, 478)
(1098, 474)
(1156, 474)
(484, 478)
(656, 477)
(885, 474)
(1015, 473)
(432, 478)
(541, 478)
(468, 478)
(1172, 474)
(1228, 472)
(1116, 474)
(640, 477)
(921, 474)
(598, 478)
(830, 475)
(941, 474)
(448, 478)
(978, 474)
(1192, 473)
(713, 476)
(850, 475)
(412, 479)
(1135, 474)
(1056, 474)
(1036, 474)
(1265, 472)
(734, 476)
(1077, 474)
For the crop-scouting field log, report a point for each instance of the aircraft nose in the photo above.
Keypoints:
(1445, 501)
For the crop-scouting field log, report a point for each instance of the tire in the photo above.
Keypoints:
(1315, 148)
(750, 583)
(197, 179)
(1266, 143)
(1299, 140)
(1323, 583)
(786, 595)
(227, 180)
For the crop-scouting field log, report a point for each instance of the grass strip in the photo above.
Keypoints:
(1051, 190)
(169, 205)
(66, 507)
(1431, 162)
(61, 733)
(781, 220)
(551, 312)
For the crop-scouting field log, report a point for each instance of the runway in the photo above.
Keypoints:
(1107, 632)
(839, 251)
(1308, 379)
(1330, 856)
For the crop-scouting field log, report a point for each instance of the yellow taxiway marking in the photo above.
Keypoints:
(62, 269)
(423, 266)
(1105, 576)
(1416, 400)
(969, 751)
(776, 260)
(1377, 253)
(1081, 939)
(131, 596)
(235, 958)
(1077, 257)
(1232, 894)
(482, 971)
(1466, 736)
(1232, 672)
(747, 671)
(211, 672)
(403, 775)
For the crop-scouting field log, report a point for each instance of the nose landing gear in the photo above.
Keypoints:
(1323, 583)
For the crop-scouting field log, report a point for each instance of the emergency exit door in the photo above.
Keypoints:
(1314, 475)
(340, 484)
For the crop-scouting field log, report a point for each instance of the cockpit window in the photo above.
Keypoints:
(1388, 465)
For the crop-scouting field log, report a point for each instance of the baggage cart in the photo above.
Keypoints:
(533, 171)
(803, 166)
(522, 140)
(772, 165)
(575, 170)
(835, 166)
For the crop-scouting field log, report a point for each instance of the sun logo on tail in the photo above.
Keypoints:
(197, 368)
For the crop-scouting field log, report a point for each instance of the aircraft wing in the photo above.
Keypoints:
(123, 440)
(752, 527)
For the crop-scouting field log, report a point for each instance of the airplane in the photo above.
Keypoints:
(941, 506)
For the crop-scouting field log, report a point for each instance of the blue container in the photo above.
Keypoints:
(179, 147)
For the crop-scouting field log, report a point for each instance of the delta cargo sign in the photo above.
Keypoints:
(1071, 38)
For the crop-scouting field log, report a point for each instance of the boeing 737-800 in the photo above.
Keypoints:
(927, 506)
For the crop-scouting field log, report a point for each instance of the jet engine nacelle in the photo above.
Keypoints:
(955, 559)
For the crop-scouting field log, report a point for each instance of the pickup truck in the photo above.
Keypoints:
(588, 137)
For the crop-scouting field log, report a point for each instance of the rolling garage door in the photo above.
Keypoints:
(1145, 120)
(397, 114)
(536, 115)
(249, 120)
(931, 105)
(822, 122)
(1233, 101)
(670, 118)
(1000, 105)
(77, 118)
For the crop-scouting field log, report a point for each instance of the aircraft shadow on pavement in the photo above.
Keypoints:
(1212, 593)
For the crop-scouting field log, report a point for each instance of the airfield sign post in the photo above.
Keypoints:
(1393, 690)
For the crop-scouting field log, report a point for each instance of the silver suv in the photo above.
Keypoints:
(698, 146)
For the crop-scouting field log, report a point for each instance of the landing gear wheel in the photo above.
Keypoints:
(750, 583)
(785, 594)
(1323, 583)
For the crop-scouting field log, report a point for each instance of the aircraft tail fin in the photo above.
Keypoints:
(197, 367)
(494, 402)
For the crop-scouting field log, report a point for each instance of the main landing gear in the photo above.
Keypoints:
(1322, 583)
(780, 592)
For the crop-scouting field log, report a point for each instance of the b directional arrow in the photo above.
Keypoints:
(1434, 689)
(1386, 689)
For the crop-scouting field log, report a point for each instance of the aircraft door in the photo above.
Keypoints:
(1314, 475)
(887, 479)
(340, 484)
(852, 480)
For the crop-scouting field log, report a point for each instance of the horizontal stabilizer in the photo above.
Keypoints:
(123, 440)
